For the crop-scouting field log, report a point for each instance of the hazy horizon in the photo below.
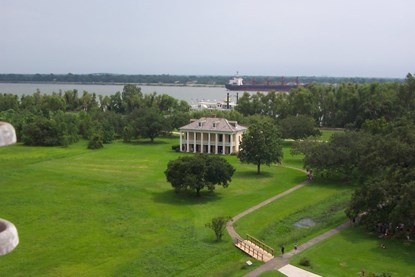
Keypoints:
(215, 75)
(369, 39)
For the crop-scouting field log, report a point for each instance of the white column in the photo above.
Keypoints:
(187, 141)
(216, 143)
(223, 144)
(194, 142)
(201, 142)
(231, 149)
(181, 141)
(209, 143)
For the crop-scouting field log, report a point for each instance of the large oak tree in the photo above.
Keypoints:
(261, 144)
(199, 171)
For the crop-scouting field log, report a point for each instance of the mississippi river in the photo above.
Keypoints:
(190, 94)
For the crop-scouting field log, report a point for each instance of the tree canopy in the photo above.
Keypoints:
(261, 144)
(298, 127)
(198, 172)
(379, 158)
(61, 118)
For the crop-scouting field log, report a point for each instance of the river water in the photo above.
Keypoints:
(190, 94)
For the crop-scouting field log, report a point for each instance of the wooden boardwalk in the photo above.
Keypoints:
(254, 250)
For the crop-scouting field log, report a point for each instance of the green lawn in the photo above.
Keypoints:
(326, 134)
(111, 212)
(350, 251)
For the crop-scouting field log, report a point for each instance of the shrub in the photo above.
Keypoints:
(305, 261)
(218, 225)
(95, 142)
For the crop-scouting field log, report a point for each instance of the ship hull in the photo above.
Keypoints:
(284, 88)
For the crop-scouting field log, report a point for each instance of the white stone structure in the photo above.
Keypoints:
(8, 237)
(7, 134)
(8, 232)
(211, 135)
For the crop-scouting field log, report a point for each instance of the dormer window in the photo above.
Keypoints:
(214, 124)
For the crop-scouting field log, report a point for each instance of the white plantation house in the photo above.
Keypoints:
(211, 135)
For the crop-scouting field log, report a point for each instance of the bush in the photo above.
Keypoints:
(175, 148)
(305, 261)
(95, 142)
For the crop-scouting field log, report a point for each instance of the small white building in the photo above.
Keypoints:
(211, 135)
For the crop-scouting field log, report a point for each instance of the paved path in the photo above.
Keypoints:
(279, 262)
(293, 271)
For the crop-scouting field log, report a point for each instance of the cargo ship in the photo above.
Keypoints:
(237, 84)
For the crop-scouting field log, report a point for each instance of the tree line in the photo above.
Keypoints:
(65, 117)
(336, 106)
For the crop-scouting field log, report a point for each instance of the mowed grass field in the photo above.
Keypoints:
(110, 212)
(354, 250)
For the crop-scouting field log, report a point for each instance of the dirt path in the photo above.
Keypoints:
(280, 261)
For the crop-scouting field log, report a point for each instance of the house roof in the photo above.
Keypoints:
(213, 124)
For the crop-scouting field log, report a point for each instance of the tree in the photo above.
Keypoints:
(339, 156)
(128, 133)
(199, 171)
(151, 123)
(298, 127)
(261, 144)
(8, 102)
(61, 129)
(218, 225)
(131, 97)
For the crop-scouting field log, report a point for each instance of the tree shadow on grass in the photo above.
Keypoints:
(327, 182)
(186, 197)
(253, 174)
(146, 142)
(394, 248)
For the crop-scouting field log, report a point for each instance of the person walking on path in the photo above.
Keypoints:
(282, 250)
(295, 248)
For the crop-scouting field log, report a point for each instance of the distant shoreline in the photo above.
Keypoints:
(115, 84)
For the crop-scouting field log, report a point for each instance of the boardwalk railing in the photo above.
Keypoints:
(252, 251)
(267, 248)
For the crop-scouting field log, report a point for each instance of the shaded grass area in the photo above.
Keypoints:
(295, 161)
(327, 133)
(354, 250)
(110, 212)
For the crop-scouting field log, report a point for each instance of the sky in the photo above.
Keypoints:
(339, 38)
